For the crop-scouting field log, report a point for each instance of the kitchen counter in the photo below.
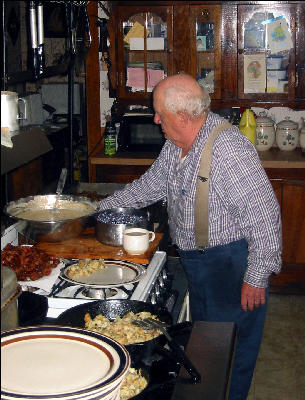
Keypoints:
(273, 158)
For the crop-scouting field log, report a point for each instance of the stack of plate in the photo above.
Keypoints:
(61, 363)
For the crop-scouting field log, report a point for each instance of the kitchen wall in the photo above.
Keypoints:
(17, 49)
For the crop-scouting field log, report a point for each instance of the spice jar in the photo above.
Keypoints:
(265, 132)
(287, 134)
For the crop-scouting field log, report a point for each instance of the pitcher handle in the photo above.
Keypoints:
(25, 109)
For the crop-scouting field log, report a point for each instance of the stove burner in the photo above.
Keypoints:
(99, 293)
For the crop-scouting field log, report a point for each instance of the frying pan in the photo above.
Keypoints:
(118, 307)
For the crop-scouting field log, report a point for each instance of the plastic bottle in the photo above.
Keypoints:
(247, 125)
(110, 139)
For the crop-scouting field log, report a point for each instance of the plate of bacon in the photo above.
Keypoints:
(33, 267)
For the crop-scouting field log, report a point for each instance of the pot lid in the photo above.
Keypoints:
(287, 124)
(262, 119)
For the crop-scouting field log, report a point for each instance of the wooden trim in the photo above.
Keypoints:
(93, 81)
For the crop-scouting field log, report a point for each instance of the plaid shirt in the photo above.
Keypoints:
(242, 203)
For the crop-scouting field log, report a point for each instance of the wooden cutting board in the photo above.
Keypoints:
(87, 246)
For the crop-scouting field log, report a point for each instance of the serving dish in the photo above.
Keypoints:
(116, 273)
(57, 355)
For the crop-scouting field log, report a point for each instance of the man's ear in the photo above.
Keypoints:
(183, 118)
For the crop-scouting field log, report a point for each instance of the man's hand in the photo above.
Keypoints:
(252, 297)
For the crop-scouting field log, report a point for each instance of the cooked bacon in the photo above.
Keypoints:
(28, 262)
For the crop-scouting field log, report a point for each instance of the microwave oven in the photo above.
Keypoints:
(139, 133)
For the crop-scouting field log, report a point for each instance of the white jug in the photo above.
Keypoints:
(10, 114)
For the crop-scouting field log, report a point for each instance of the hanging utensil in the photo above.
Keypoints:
(61, 181)
(60, 186)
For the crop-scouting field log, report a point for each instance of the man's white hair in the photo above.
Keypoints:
(181, 99)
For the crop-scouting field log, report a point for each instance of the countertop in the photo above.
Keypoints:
(273, 158)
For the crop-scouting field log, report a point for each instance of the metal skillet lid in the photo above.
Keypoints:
(263, 120)
(287, 124)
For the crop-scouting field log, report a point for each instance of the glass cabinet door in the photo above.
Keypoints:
(266, 52)
(144, 49)
(206, 47)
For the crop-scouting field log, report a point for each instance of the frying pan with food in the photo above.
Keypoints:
(118, 307)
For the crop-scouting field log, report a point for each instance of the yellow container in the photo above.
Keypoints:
(247, 125)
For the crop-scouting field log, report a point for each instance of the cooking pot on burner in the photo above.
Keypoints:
(111, 224)
(118, 307)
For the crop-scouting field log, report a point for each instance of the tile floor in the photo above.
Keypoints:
(280, 368)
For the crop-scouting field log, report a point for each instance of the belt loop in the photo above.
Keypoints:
(201, 249)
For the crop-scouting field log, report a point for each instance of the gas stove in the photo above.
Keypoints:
(153, 287)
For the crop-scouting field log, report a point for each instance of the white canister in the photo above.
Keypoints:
(265, 132)
(302, 139)
(287, 134)
(10, 113)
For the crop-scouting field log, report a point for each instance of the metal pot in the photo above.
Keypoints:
(111, 309)
(51, 230)
(111, 233)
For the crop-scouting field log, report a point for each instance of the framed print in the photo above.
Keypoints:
(201, 43)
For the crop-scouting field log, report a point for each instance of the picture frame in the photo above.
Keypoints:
(55, 21)
(201, 43)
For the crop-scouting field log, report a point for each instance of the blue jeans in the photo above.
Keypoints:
(215, 278)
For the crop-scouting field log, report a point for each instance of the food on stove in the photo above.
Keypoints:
(115, 217)
(28, 262)
(85, 268)
(122, 329)
(62, 210)
(133, 384)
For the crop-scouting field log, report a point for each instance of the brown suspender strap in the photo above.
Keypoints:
(202, 189)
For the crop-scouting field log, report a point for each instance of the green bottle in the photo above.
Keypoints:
(247, 125)
(110, 139)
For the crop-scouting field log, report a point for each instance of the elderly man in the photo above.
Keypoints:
(229, 256)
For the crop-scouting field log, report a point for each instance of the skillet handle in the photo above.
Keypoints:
(185, 361)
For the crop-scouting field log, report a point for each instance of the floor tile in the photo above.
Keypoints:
(279, 372)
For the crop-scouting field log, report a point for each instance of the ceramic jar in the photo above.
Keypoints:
(265, 132)
(287, 134)
(302, 139)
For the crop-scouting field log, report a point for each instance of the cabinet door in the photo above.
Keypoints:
(205, 47)
(267, 52)
(145, 49)
(293, 219)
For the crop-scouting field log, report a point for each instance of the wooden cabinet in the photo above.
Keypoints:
(267, 51)
(142, 62)
(289, 187)
(226, 46)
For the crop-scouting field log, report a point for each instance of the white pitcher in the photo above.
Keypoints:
(10, 113)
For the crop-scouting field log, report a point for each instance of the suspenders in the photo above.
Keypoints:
(202, 190)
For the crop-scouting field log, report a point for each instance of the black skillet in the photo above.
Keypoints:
(111, 309)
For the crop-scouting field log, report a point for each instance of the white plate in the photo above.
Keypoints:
(62, 361)
(117, 273)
